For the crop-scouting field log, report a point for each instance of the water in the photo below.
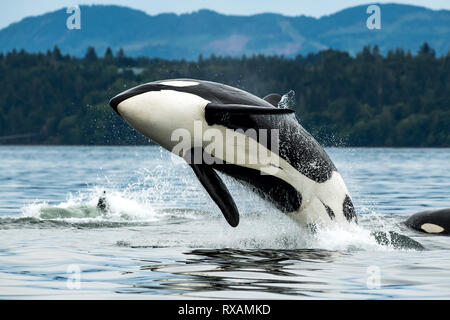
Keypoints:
(164, 238)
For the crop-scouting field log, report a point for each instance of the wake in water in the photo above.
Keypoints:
(265, 228)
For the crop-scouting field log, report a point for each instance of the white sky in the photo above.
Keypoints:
(15, 10)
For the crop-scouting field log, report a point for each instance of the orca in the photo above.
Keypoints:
(431, 221)
(300, 179)
(102, 203)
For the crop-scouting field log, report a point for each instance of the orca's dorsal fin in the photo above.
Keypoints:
(273, 98)
(216, 189)
(244, 109)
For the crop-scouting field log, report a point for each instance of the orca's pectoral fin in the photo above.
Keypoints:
(215, 108)
(218, 192)
(273, 98)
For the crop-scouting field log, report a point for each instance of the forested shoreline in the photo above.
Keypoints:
(401, 99)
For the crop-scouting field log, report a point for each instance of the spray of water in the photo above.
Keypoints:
(287, 100)
(196, 228)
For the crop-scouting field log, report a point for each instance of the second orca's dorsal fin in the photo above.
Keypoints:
(243, 109)
(273, 98)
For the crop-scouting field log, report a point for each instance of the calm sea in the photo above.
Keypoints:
(164, 238)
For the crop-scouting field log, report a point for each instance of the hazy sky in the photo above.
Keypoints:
(15, 10)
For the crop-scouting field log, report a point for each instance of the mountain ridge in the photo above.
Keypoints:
(206, 32)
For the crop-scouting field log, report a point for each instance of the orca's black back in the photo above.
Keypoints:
(438, 217)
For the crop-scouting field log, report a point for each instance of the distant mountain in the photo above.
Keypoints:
(207, 32)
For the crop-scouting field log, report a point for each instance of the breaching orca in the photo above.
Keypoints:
(300, 179)
(436, 221)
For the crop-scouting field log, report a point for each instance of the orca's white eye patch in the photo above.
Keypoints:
(431, 228)
(179, 83)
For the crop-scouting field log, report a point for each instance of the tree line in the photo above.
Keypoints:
(395, 100)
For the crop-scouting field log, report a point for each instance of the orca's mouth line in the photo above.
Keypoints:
(115, 101)
(202, 92)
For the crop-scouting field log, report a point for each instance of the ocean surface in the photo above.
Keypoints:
(164, 238)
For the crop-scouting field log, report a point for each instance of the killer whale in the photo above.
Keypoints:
(102, 203)
(431, 221)
(306, 184)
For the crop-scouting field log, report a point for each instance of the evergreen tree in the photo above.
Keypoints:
(108, 55)
(91, 55)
